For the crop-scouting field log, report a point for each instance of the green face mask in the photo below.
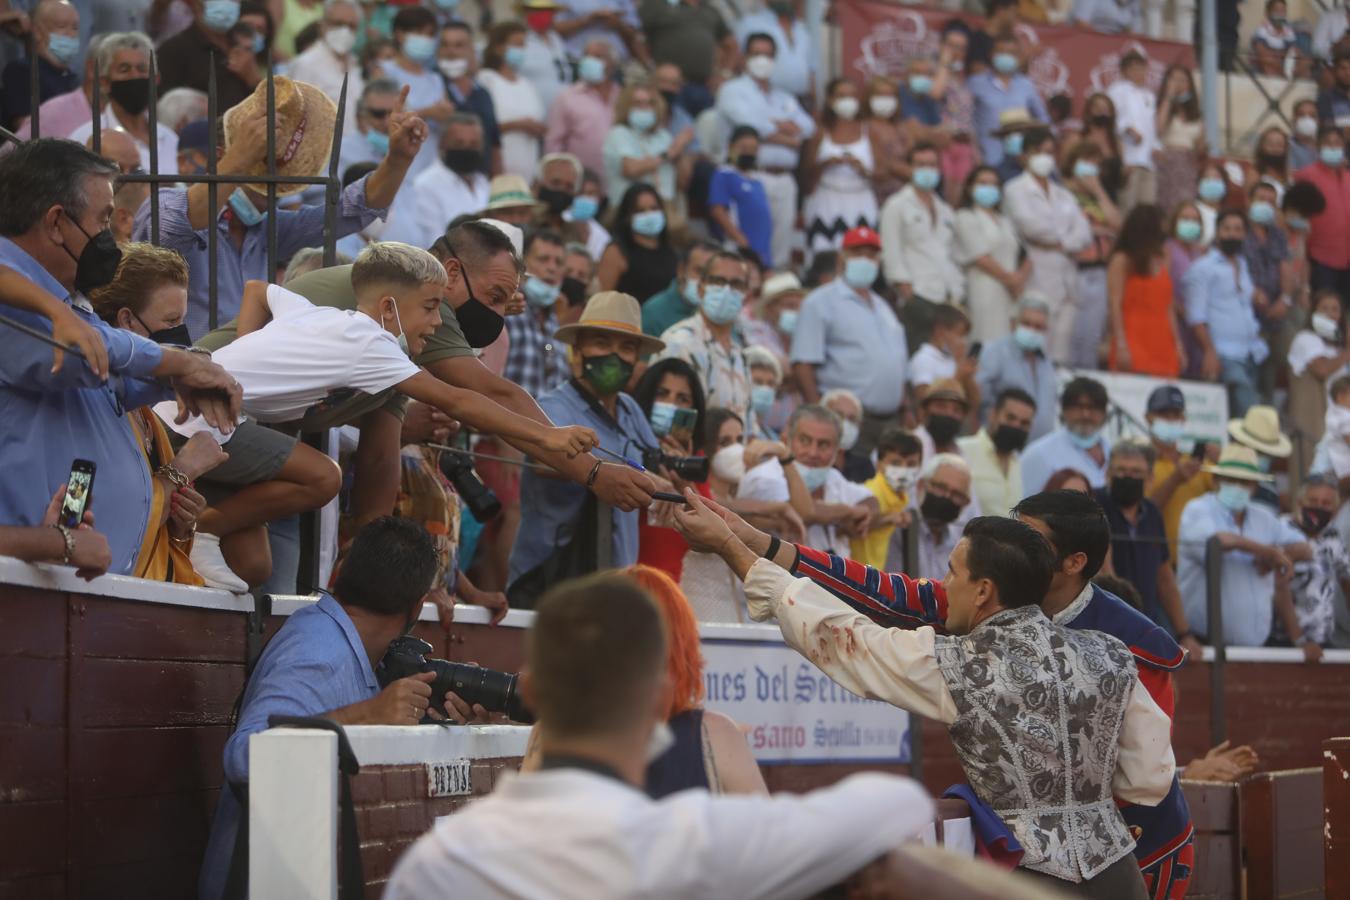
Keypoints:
(607, 374)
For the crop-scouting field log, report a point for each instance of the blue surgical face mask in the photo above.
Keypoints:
(860, 272)
(1331, 156)
(591, 69)
(722, 303)
(1188, 230)
(814, 476)
(584, 208)
(220, 15)
(1296, 223)
(1168, 431)
(1261, 212)
(379, 141)
(1012, 143)
(693, 291)
(419, 47)
(1234, 497)
(761, 399)
(661, 418)
(259, 43)
(244, 208)
(1084, 169)
(920, 84)
(64, 47)
(926, 178)
(649, 223)
(787, 321)
(1029, 339)
(1212, 190)
(986, 195)
(1005, 63)
(514, 57)
(1084, 441)
(642, 119)
(539, 293)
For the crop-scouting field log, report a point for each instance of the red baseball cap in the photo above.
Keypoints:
(862, 236)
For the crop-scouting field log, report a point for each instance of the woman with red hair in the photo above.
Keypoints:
(709, 750)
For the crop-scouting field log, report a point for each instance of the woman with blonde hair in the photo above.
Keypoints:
(639, 148)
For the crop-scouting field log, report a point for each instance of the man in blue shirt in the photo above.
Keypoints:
(1078, 444)
(737, 202)
(322, 663)
(56, 200)
(1002, 87)
(1218, 289)
(606, 343)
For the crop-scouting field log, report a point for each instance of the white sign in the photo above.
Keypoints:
(1206, 404)
(793, 712)
(449, 778)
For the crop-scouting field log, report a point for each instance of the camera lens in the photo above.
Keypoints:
(478, 497)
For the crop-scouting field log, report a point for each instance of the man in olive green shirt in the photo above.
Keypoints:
(484, 274)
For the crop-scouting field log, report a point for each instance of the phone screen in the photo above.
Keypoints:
(79, 487)
(682, 426)
(1199, 451)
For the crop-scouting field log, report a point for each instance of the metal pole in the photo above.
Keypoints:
(154, 152)
(35, 88)
(1209, 71)
(1218, 720)
(334, 184)
(271, 170)
(212, 200)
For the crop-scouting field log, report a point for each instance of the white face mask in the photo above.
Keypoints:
(728, 463)
(760, 67)
(1306, 126)
(340, 40)
(1041, 164)
(848, 436)
(845, 107)
(884, 105)
(453, 68)
(662, 739)
(900, 478)
(1325, 326)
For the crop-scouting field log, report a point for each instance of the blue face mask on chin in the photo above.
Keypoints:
(379, 141)
(814, 476)
(1084, 441)
(244, 209)
(1168, 431)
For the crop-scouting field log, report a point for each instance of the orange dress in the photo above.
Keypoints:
(1146, 311)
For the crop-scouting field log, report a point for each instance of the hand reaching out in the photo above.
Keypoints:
(570, 440)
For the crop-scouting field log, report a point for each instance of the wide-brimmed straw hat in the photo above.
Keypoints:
(617, 313)
(305, 118)
(510, 192)
(1238, 462)
(1259, 429)
(1015, 119)
(946, 389)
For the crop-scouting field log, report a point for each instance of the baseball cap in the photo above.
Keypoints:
(861, 236)
(1166, 399)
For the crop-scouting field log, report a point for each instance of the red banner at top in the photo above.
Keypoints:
(881, 38)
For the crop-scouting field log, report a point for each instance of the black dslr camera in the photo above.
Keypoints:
(494, 691)
(482, 502)
(689, 468)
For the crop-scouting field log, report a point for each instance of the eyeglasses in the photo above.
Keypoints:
(380, 114)
(739, 284)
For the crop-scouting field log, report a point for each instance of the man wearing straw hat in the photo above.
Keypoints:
(510, 200)
(1257, 547)
(305, 118)
(1259, 430)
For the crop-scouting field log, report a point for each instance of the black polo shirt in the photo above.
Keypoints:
(1138, 551)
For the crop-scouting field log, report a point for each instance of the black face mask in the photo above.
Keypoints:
(133, 95)
(98, 261)
(480, 324)
(574, 289)
(1101, 121)
(463, 160)
(1229, 246)
(1127, 492)
(1314, 520)
(943, 429)
(939, 510)
(671, 98)
(556, 200)
(176, 336)
(1009, 439)
(745, 161)
(1269, 161)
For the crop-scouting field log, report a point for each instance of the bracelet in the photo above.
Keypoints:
(590, 479)
(787, 460)
(173, 474)
(200, 351)
(774, 544)
(70, 542)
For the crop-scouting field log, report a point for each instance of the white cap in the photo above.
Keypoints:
(511, 231)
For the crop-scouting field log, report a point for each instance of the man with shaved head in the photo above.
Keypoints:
(118, 148)
(56, 38)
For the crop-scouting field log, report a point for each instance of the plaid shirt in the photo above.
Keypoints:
(535, 360)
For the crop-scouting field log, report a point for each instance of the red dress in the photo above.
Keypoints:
(664, 548)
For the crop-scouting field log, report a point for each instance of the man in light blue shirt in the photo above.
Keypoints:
(998, 88)
(795, 68)
(1019, 361)
(241, 219)
(322, 662)
(1256, 545)
(1078, 444)
(783, 126)
(1218, 291)
(55, 206)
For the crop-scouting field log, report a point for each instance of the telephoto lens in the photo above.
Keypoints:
(689, 468)
(494, 691)
(458, 469)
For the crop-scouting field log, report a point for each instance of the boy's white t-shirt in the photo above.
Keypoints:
(307, 354)
(929, 364)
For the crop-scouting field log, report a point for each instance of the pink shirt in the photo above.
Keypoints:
(577, 123)
(60, 116)
(1326, 239)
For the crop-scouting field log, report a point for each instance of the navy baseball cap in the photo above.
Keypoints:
(1166, 399)
(195, 136)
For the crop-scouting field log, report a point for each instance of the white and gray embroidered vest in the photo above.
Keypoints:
(1039, 713)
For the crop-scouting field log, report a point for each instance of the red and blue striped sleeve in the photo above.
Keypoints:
(894, 600)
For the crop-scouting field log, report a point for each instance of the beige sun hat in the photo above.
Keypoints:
(305, 119)
(510, 192)
(779, 283)
(1259, 429)
(617, 313)
(1015, 119)
(1239, 462)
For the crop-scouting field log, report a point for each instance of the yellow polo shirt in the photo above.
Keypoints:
(1199, 485)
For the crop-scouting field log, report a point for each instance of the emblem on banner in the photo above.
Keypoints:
(890, 45)
(1107, 72)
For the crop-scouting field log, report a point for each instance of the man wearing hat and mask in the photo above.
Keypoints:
(304, 126)
(1258, 550)
(944, 410)
(510, 200)
(606, 343)
(1259, 430)
(1013, 125)
(780, 303)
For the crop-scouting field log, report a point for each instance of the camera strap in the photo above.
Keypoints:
(596, 406)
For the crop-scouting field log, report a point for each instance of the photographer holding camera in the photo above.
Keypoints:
(323, 662)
